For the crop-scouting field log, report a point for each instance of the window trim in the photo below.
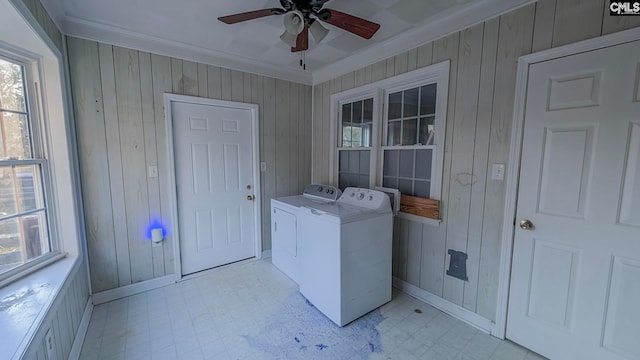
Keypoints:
(32, 78)
(336, 111)
(436, 73)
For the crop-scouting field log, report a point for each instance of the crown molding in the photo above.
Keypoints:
(121, 37)
(452, 22)
(432, 30)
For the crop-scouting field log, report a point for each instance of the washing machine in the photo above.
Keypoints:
(284, 232)
(344, 249)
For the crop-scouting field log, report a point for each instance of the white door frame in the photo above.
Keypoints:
(515, 153)
(169, 99)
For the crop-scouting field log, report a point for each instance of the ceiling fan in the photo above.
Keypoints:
(301, 16)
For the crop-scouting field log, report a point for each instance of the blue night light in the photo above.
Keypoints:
(156, 223)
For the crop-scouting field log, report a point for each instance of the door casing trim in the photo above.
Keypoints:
(515, 153)
(169, 99)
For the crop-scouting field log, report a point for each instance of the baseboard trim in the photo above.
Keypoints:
(445, 306)
(266, 254)
(128, 290)
(82, 331)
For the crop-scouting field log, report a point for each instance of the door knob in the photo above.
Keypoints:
(526, 224)
(250, 197)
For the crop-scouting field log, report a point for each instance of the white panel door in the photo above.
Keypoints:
(575, 285)
(214, 182)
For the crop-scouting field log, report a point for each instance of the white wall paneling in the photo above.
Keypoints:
(63, 318)
(118, 100)
(478, 133)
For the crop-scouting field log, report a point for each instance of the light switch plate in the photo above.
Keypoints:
(497, 172)
(153, 171)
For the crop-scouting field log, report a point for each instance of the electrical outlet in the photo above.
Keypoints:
(50, 344)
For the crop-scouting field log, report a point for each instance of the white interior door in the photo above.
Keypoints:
(575, 285)
(213, 156)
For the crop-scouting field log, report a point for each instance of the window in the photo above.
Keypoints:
(24, 232)
(410, 141)
(355, 141)
(409, 114)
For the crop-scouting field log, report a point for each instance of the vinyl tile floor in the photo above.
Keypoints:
(250, 310)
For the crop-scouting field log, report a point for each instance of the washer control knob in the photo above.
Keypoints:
(352, 194)
(360, 196)
(370, 197)
(320, 189)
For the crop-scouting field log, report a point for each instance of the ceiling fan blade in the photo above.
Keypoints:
(250, 15)
(302, 42)
(353, 24)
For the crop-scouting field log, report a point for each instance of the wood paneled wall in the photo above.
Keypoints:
(40, 14)
(63, 318)
(118, 103)
(479, 115)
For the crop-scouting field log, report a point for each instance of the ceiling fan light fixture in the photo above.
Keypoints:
(318, 31)
(294, 22)
(289, 38)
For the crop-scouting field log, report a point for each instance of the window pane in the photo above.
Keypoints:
(409, 132)
(367, 111)
(367, 135)
(22, 239)
(428, 99)
(390, 182)
(411, 102)
(14, 136)
(422, 189)
(346, 113)
(408, 171)
(391, 160)
(344, 162)
(423, 164)
(394, 131)
(356, 136)
(354, 162)
(28, 187)
(8, 204)
(346, 136)
(427, 134)
(395, 106)
(354, 168)
(357, 112)
(405, 186)
(363, 181)
(406, 163)
(11, 87)
(10, 247)
(364, 162)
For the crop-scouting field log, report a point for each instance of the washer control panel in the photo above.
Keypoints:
(370, 199)
(326, 192)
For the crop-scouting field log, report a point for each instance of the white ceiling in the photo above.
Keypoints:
(189, 29)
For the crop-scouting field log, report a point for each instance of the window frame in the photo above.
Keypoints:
(32, 80)
(336, 129)
(434, 74)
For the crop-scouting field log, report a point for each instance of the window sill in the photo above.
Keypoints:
(25, 302)
(420, 219)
